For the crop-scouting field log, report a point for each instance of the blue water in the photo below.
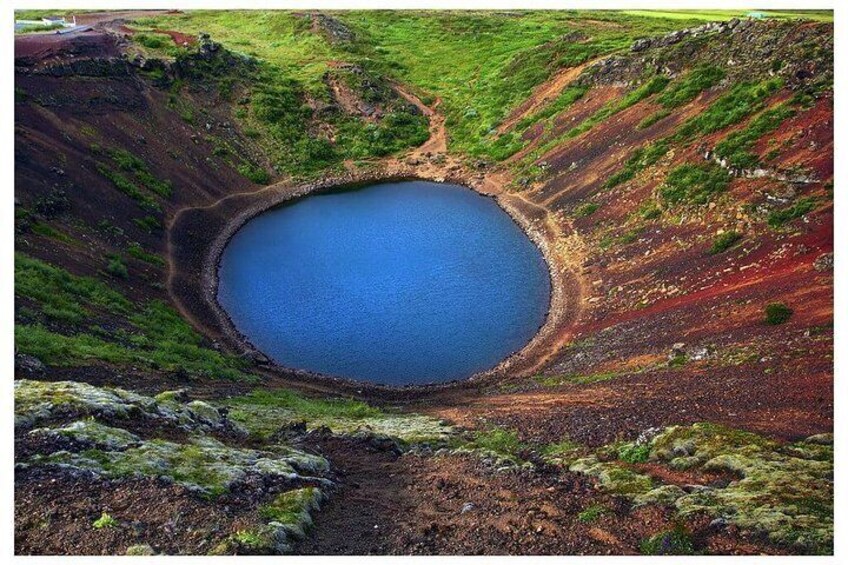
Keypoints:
(397, 283)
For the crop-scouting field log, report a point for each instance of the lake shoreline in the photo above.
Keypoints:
(229, 215)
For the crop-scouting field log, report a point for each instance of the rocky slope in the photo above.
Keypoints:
(680, 181)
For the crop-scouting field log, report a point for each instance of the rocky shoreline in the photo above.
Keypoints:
(241, 208)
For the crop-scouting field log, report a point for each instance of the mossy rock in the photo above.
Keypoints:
(289, 517)
(204, 464)
(93, 433)
(37, 402)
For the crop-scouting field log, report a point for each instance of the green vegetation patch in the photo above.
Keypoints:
(784, 491)
(735, 148)
(263, 412)
(562, 102)
(730, 108)
(676, 541)
(778, 313)
(105, 521)
(725, 241)
(640, 159)
(694, 184)
(654, 85)
(801, 207)
(135, 250)
(64, 296)
(691, 85)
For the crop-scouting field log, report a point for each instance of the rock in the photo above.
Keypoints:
(29, 365)
(824, 262)
(467, 507)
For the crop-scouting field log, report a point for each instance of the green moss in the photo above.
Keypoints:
(93, 432)
(293, 507)
(612, 476)
(203, 464)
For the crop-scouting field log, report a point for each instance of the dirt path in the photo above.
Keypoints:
(542, 95)
(413, 504)
(438, 141)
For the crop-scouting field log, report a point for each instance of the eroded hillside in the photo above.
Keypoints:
(678, 176)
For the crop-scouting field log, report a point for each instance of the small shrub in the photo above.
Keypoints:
(116, 267)
(586, 209)
(105, 521)
(148, 223)
(777, 313)
(676, 541)
(802, 207)
(253, 173)
(725, 241)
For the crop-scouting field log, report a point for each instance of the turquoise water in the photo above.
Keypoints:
(397, 283)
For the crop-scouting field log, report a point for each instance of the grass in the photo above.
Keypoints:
(586, 209)
(640, 159)
(694, 184)
(37, 28)
(592, 513)
(159, 338)
(63, 296)
(691, 85)
(725, 241)
(253, 173)
(736, 147)
(126, 186)
(634, 453)
(802, 207)
(149, 224)
(497, 440)
(654, 85)
(135, 250)
(562, 102)
(730, 108)
(305, 407)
